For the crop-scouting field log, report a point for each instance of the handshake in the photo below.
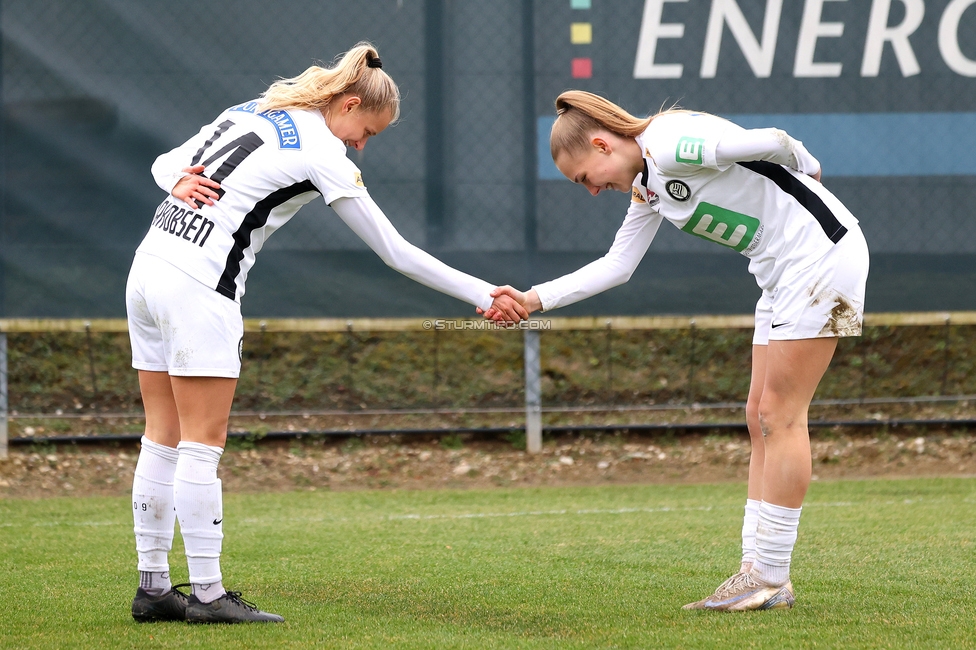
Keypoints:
(511, 305)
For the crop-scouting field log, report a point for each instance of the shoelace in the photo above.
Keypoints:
(724, 586)
(733, 584)
(236, 596)
(176, 588)
(727, 582)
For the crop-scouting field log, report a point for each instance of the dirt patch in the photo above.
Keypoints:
(843, 319)
(391, 463)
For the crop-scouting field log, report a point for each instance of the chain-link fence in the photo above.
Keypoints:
(92, 91)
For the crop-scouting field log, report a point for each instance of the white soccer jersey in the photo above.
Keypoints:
(745, 190)
(269, 164)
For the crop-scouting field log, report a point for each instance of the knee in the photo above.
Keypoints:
(775, 416)
(765, 424)
(768, 416)
(752, 419)
(752, 412)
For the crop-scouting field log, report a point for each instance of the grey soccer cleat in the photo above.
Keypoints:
(743, 592)
(229, 608)
(170, 606)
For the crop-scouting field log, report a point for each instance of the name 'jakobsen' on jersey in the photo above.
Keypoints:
(183, 223)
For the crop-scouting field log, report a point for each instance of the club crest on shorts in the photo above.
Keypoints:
(678, 190)
(240, 349)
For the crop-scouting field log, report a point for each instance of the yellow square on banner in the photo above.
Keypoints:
(580, 33)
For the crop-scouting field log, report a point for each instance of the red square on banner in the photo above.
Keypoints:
(582, 68)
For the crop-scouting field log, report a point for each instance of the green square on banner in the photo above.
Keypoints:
(579, 4)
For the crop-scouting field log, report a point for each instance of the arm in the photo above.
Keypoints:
(613, 269)
(684, 143)
(185, 183)
(366, 219)
(171, 167)
(771, 145)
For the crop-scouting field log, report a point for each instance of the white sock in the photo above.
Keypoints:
(155, 583)
(749, 523)
(207, 593)
(154, 514)
(199, 507)
(775, 537)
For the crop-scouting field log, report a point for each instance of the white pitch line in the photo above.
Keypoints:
(93, 524)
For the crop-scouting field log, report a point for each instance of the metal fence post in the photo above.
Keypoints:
(610, 361)
(351, 338)
(261, 355)
(3, 395)
(691, 364)
(91, 361)
(533, 392)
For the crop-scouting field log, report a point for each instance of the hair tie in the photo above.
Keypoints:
(373, 62)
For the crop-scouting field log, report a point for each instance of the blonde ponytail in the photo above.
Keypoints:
(357, 72)
(579, 113)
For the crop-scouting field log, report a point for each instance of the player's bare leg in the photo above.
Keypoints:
(203, 404)
(162, 418)
(756, 462)
(757, 458)
(793, 372)
(153, 504)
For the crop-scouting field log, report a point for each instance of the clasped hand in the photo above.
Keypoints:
(510, 304)
(194, 189)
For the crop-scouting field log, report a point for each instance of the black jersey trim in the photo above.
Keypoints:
(803, 195)
(644, 175)
(256, 218)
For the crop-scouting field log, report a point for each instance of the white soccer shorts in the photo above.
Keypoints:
(823, 300)
(179, 325)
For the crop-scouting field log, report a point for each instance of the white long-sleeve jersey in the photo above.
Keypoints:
(269, 164)
(748, 190)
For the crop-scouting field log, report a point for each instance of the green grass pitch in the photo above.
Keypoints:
(879, 564)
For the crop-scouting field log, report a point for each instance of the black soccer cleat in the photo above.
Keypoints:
(170, 606)
(229, 608)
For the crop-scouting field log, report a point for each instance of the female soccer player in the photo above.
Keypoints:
(230, 187)
(756, 192)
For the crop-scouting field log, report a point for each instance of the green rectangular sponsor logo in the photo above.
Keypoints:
(690, 150)
(725, 227)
